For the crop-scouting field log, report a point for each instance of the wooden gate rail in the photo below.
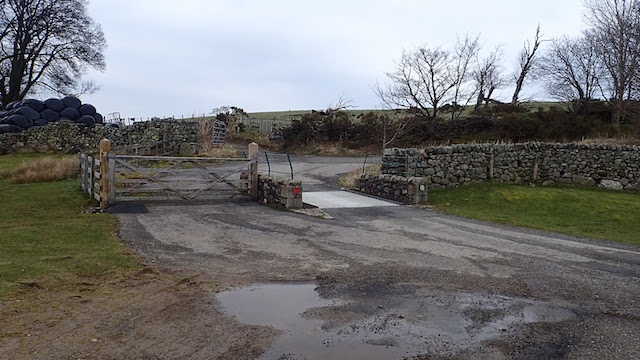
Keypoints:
(89, 175)
(157, 178)
(91, 170)
(97, 176)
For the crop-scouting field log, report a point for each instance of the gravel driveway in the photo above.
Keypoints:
(403, 282)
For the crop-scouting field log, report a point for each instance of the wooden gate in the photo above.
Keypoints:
(110, 177)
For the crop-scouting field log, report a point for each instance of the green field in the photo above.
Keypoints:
(287, 116)
(49, 241)
(583, 212)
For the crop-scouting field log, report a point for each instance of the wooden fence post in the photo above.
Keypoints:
(83, 172)
(253, 170)
(105, 149)
(536, 169)
(491, 163)
(112, 177)
(80, 172)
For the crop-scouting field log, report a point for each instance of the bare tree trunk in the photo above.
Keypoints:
(487, 76)
(516, 93)
(527, 62)
(479, 101)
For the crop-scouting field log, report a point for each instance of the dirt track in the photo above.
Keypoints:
(402, 282)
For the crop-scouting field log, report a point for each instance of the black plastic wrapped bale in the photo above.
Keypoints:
(12, 105)
(54, 104)
(72, 102)
(28, 112)
(70, 113)
(50, 115)
(34, 104)
(40, 122)
(99, 118)
(18, 120)
(9, 129)
(87, 120)
(87, 109)
(12, 111)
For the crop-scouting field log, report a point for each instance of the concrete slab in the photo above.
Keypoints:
(341, 199)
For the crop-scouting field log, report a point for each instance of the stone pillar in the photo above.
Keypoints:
(417, 190)
(292, 195)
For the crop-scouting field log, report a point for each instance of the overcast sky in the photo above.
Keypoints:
(187, 57)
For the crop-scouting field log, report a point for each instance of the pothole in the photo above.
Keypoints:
(316, 328)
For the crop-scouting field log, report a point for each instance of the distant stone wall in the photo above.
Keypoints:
(70, 137)
(412, 190)
(280, 193)
(608, 166)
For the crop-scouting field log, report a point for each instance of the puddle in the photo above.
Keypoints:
(284, 307)
(277, 305)
(316, 328)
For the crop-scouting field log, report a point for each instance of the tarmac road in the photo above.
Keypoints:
(407, 282)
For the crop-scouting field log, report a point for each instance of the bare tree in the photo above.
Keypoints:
(420, 82)
(428, 78)
(572, 69)
(465, 52)
(46, 45)
(487, 76)
(526, 63)
(394, 126)
(343, 103)
(615, 26)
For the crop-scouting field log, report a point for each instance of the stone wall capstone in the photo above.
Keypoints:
(609, 166)
(70, 137)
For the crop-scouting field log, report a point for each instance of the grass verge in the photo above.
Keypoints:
(48, 242)
(584, 212)
(48, 168)
(11, 162)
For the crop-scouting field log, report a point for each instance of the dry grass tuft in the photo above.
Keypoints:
(348, 181)
(624, 140)
(43, 170)
(224, 151)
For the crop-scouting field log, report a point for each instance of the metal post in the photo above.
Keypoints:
(406, 163)
(365, 163)
(266, 156)
(290, 166)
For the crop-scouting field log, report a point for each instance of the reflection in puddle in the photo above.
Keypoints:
(283, 306)
(416, 325)
(277, 305)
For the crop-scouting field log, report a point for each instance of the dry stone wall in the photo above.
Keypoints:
(412, 190)
(607, 166)
(70, 137)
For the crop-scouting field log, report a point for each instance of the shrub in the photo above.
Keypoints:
(518, 127)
